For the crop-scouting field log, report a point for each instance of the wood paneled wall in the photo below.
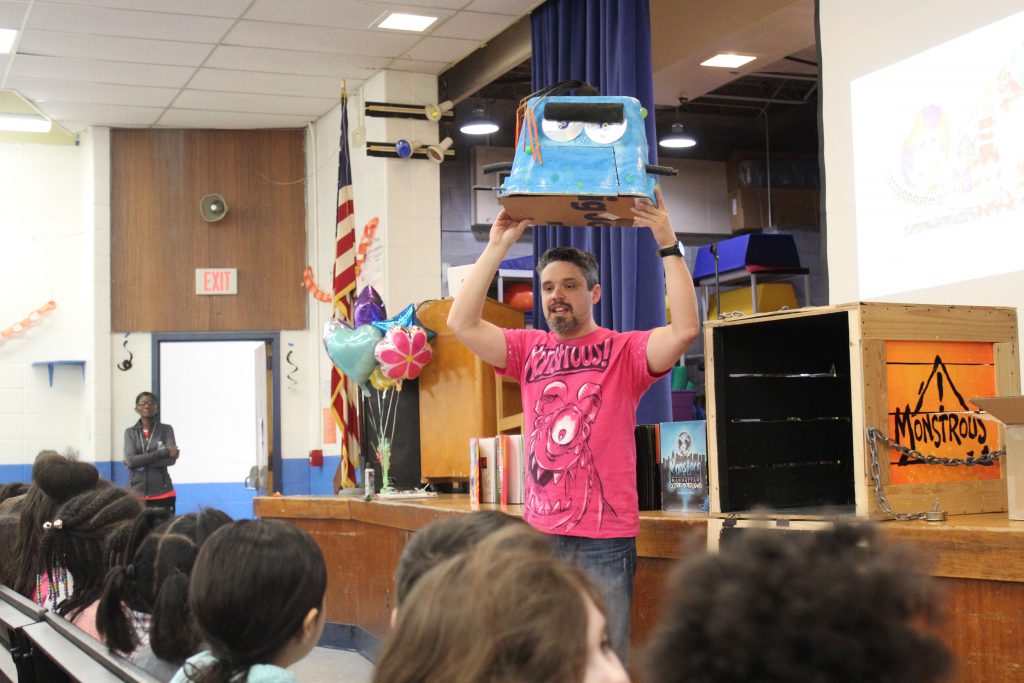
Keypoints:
(159, 238)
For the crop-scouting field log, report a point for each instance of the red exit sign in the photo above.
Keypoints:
(216, 281)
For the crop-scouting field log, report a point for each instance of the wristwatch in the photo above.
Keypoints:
(674, 250)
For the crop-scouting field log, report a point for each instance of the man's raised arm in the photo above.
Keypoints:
(668, 343)
(464, 319)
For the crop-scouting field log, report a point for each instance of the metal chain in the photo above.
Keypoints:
(874, 436)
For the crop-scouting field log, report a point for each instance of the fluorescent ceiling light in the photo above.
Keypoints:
(728, 61)
(7, 36)
(406, 22)
(26, 123)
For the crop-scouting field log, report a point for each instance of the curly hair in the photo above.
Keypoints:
(821, 607)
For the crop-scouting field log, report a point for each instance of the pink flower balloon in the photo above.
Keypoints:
(403, 352)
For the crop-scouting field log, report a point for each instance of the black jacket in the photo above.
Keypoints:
(149, 467)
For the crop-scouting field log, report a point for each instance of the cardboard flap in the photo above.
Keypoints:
(1007, 409)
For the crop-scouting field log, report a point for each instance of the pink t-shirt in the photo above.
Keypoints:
(579, 413)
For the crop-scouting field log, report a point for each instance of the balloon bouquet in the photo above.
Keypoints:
(378, 354)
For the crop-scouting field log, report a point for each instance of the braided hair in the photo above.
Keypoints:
(55, 479)
(75, 541)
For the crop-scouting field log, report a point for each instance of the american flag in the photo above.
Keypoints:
(343, 390)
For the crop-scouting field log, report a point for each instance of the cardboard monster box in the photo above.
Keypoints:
(579, 161)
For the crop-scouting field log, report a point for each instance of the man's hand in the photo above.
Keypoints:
(173, 450)
(505, 232)
(656, 218)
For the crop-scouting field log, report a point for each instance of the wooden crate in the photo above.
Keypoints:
(790, 395)
(457, 393)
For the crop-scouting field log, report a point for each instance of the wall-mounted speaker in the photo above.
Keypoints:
(213, 208)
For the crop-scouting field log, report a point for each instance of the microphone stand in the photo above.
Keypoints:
(718, 285)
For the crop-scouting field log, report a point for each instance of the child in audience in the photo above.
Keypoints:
(781, 606)
(74, 550)
(144, 609)
(441, 540)
(504, 611)
(55, 479)
(257, 592)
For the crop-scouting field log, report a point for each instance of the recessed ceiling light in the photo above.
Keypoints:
(406, 22)
(728, 61)
(7, 36)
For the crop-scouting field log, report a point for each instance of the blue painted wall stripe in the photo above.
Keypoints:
(231, 497)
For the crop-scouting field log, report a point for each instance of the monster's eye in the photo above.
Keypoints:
(562, 131)
(605, 133)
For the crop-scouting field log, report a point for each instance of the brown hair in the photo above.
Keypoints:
(443, 539)
(506, 611)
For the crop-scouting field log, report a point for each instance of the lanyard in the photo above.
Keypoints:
(142, 436)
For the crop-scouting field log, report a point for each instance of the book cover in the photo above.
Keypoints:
(684, 466)
(474, 469)
(514, 468)
(488, 470)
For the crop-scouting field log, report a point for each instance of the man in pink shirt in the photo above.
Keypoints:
(580, 386)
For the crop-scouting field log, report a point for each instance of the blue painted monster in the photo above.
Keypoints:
(580, 161)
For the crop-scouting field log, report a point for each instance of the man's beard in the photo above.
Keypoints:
(564, 324)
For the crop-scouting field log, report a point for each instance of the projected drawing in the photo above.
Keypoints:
(925, 153)
(939, 162)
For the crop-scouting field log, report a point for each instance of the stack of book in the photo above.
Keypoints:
(496, 469)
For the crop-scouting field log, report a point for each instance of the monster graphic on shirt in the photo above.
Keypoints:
(560, 460)
(579, 410)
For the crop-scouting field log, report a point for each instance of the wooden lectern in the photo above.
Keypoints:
(457, 393)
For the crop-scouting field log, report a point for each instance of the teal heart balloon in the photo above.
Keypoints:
(351, 350)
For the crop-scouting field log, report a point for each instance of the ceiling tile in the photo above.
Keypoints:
(209, 8)
(256, 104)
(112, 48)
(295, 62)
(264, 83)
(416, 66)
(473, 26)
(98, 71)
(12, 13)
(424, 4)
(516, 8)
(39, 91)
(188, 118)
(442, 49)
(102, 115)
(358, 14)
(320, 39)
(116, 22)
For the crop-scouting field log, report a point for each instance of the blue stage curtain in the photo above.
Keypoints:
(607, 43)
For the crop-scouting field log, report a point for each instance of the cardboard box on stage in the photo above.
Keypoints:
(1009, 410)
(791, 394)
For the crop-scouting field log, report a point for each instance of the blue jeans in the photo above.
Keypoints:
(611, 565)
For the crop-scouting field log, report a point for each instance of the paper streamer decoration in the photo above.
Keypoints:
(31, 319)
(364, 242)
(318, 294)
